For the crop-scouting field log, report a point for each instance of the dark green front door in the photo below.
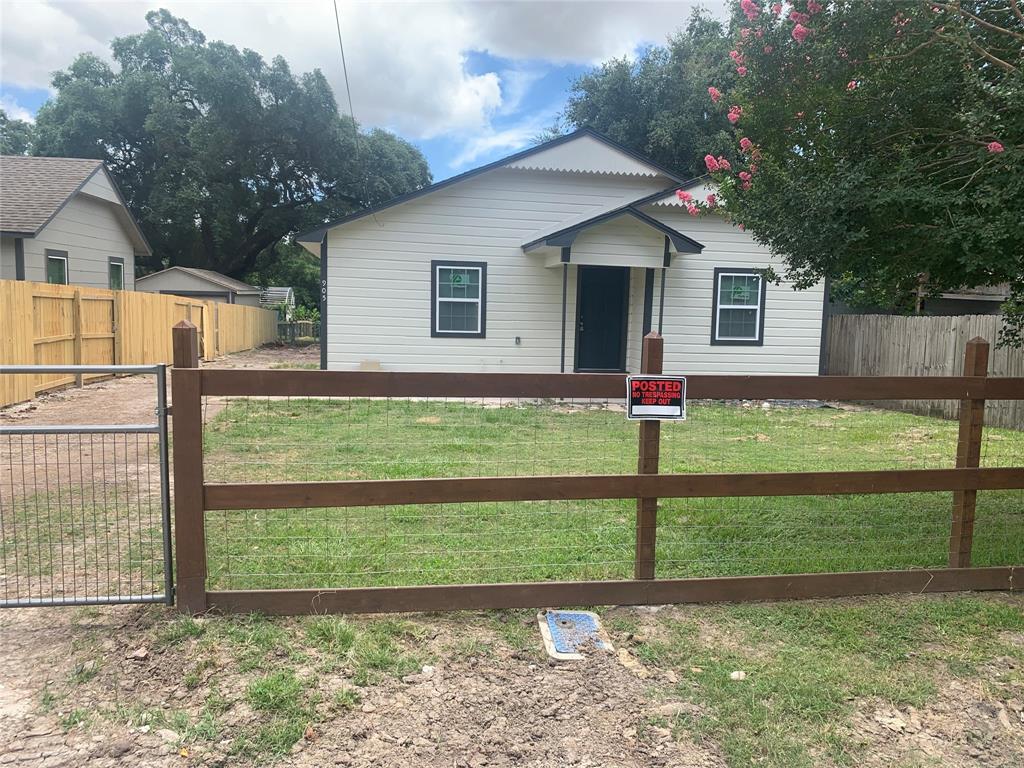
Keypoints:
(602, 301)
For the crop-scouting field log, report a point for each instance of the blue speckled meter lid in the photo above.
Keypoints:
(572, 630)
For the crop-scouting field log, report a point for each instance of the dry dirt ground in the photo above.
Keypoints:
(102, 687)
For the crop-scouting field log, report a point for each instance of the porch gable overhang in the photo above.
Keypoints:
(566, 236)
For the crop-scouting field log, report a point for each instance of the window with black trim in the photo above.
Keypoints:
(738, 307)
(57, 267)
(116, 270)
(458, 292)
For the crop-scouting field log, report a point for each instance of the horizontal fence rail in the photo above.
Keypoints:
(195, 497)
(600, 385)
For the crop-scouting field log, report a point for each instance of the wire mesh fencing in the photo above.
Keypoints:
(83, 511)
(268, 439)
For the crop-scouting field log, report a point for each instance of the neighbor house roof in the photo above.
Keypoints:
(516, 160)
(34, 189)
(235, 286)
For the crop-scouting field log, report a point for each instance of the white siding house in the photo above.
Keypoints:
(62, 220)
(553, 260)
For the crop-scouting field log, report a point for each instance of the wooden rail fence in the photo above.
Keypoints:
(888, 345)
(72, 325)
(194, 496)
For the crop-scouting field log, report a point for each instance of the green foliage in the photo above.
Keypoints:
(658, 103)
(219, 153)
(15, 135)
(286, 263)
(872, 163)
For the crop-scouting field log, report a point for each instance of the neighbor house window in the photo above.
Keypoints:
(738, 311)
(116, 275)
(57, 267)
(459, 298)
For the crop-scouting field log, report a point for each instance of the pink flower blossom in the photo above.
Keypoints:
(692, 209)
(714, 93)
(746, 185)
(746, 144)
(712, 201)
(800, 33)
(734, 114)
(741, 71)
(750, 8)
(745, 32)
(711, 163)
(759, 34)
(852, 85)
(723, 164)
(736, 56)
(995, 147)
(744, 175)
(814, 7)
(753, 168)
(683, 195)
(777, 8)
(768, 49)
(799, 18)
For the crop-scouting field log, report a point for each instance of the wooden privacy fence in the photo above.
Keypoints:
(72, 325)
(889, 345)
(193, 496)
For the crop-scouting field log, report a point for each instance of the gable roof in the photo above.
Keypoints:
(235, 286)
(515, 160)
(565, 235)
(34, 189)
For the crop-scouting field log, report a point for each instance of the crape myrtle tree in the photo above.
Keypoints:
(15, 135)
(879, 144)
(220, 154)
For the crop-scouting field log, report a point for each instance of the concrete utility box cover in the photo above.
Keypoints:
(566, 632)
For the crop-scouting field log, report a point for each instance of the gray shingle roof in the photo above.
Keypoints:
(32, 189)
(224, 281)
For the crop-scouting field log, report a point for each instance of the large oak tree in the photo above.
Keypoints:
(219, 153)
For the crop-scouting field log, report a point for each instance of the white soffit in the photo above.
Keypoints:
(585, 155)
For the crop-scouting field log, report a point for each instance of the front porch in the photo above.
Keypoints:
(615, 260)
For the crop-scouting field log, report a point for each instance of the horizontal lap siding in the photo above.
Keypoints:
(90, 233)
(792, 320)
(379, 273)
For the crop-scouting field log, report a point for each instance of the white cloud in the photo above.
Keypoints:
(503, 140)
(14, 110)
(407, 60)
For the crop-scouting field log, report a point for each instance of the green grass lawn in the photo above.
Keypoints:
(281, 440)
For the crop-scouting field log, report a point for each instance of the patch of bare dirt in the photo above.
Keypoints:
(481, 712)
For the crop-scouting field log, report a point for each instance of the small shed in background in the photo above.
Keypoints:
(278, 296)
(200, 283)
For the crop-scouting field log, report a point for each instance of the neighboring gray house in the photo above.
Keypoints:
(63, 220)
(558, 258)
(200, 283)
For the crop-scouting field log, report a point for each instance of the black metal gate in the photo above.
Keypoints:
(85, 508)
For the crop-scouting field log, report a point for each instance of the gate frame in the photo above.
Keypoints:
(159, 429)
(193, 496)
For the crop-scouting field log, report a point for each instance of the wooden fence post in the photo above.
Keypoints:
(187, 419)
(968, 454)
(649, 450)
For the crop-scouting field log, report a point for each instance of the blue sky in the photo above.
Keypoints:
(467, 82)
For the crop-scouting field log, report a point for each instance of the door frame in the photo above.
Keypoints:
(623, 332)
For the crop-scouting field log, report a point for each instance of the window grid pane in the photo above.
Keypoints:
(56, 271)
(458, 316)
(458, 283)
(739, 290)
(737, 324)
(116, 276)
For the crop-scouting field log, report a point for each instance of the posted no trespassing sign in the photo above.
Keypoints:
(656, 397)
